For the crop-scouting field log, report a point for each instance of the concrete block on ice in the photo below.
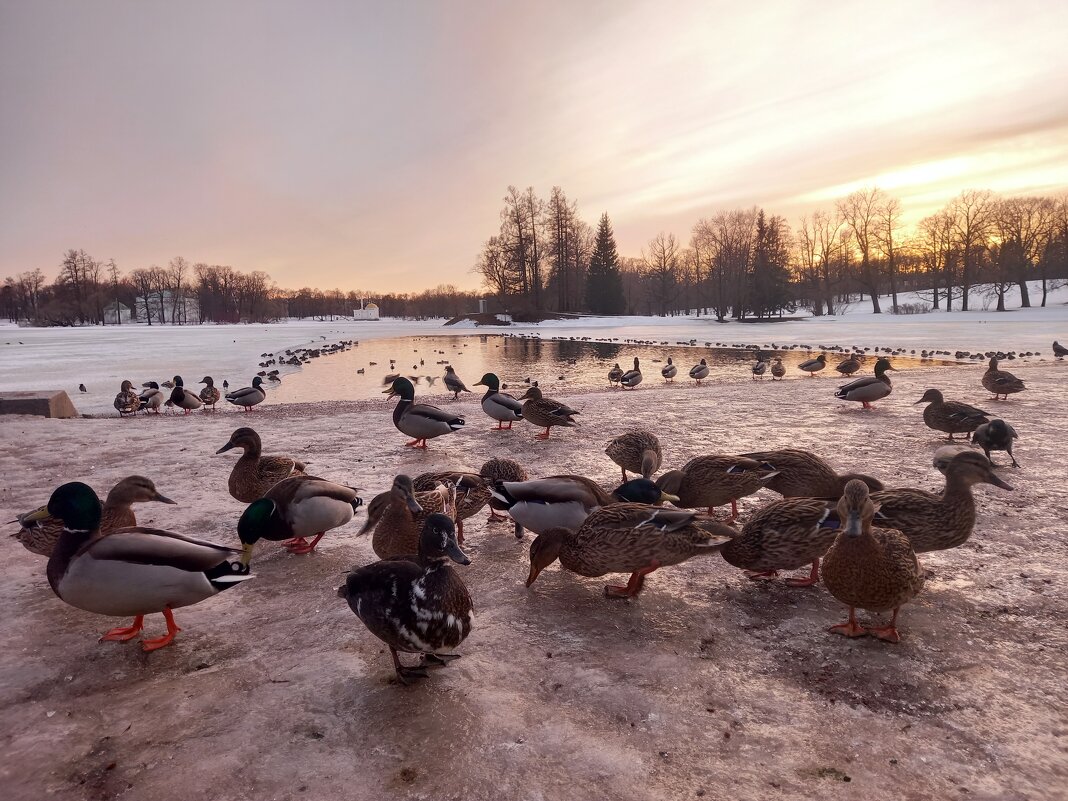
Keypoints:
(41, 402)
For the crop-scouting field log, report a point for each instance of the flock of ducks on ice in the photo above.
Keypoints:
(866, 535)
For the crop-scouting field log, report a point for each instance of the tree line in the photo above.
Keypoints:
(748, 263)
(87, 291)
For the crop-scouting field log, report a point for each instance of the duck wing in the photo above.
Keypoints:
(153, 546)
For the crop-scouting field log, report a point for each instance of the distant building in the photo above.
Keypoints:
(166, 308)
(368, 311)
(116, 314)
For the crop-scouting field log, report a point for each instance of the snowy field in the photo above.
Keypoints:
(705, 686)
(101, 357)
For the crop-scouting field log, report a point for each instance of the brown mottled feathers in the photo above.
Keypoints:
(784, 535)
(714, 480)
(637, 451)
(805, 475)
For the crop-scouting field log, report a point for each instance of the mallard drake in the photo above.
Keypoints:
(499, 406)
(1001, 382)
(210, 395)
(711, 481)
(131, 571)
(784, 535)
(870, 389)
(127, 401)
(633, 538)
(944, 455)
(40, 537)
(247, 397)
(637, 451)
(497, 469)
(472, 493)
(183, 398)
(936, 522)
(778, 369)
(397, 515)
(870, 568)
(417, 605)
(997, 435)
(631, 378)
(565, 501)
(699, 372)
(848, 366)
(759, 368)
(293, 510)
(151, 397)
(1059, 350)
(615, 374)
(419, 420)
(803, 474)
(547, 412)
(254, 474)
(813, 366)
(669, 370)
(453, 383)
(951, 417)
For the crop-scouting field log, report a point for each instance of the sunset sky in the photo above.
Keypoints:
(368, 145)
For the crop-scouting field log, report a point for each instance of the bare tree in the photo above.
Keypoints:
(861, 211)
(1027, 222)
(888, 236)
(661, 270)
(973, 217)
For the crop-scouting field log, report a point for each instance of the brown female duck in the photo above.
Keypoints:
(633, 538)
(397, 516)
(870, 568)
(803, 474)
(712, 481)
(40, 537)
(637, 451)
(542, 411)
(950, 417)
(255, 473)
(937, 522)
(472, 493)
(784, 535)
(1001, 382)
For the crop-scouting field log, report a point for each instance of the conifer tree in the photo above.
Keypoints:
(604, 286)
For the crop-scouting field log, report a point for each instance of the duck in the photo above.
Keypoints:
(254, 474)
(951, 417)
(997, 435)
(944, 455)
(453, 383)
(778, 370)
(711, 481)
(547, 412)
(813, 366)
(127, 401)
(870, 568)
(1059, 350)
(566, 500)
(633, 538)
(699, 372)
(130, 571)
(247, 397)
(294, 509)
(849, 365)
(397, 515)
(499, 406)
(783, 535)
(418, 604)
(419, 420)
(637, 450)
(669, 370)
(151, 397)
(937, 522)
(500, 469)
(1001, 382)
(759, 368)
(870, 389)
(803, 474)
(615, 374)
(472, 493)
(183, 398)
(631, 378)
(40, 537)
(210, 394)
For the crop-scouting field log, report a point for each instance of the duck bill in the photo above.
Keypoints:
(457, 555)
(534, 572)
(246, 553)
(667, 496)
(998, 482)
(413, 505)
(36, 516)
(164, 499)
(225, 447)
(389, 392)
(853, 525)
(479, 384)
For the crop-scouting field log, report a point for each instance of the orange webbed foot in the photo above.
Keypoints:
(888, 633)
(849, 629)
(124, 633)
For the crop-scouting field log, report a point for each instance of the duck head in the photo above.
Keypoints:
(642, 490)
(882, 366)
(437, 541)
(855, 508)
(401, 386)
(208, 380)
(971, 467)
(534, 393)
(178, 381)
(403, 490)
(544, 550)
(136, 489)
(245, 438)
(257, 382)
(127, 386)
(490, 381)
(75, 503)
(256, 521)
(931, 396)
